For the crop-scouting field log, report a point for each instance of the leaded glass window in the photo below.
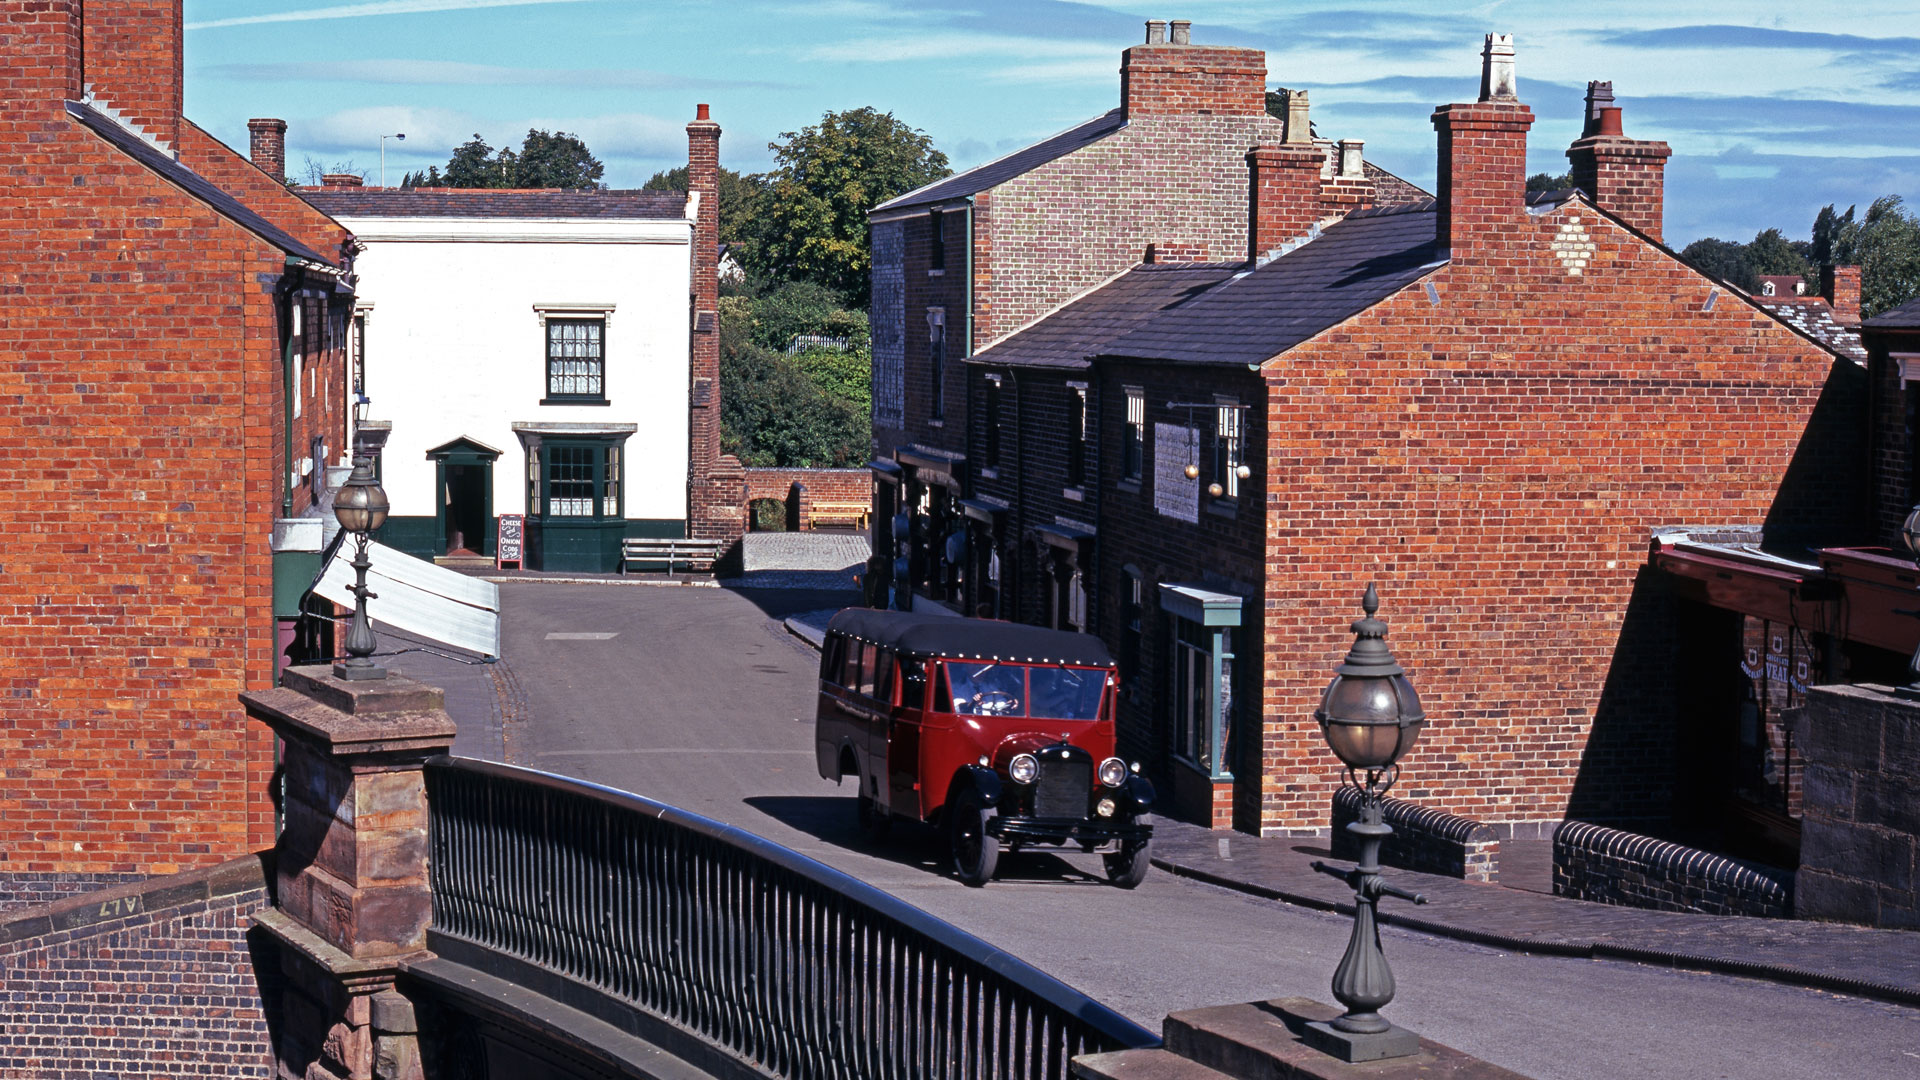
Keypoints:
(576, 360)
(570, 480)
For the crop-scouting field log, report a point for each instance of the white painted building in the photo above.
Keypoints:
(531, 349)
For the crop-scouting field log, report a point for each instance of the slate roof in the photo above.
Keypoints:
(1024, 160)
(1813, 316)
(1904, 317)
(497, 203)
(1251, 317)
(1085, 326)
(191, 182)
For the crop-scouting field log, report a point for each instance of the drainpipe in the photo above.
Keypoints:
(286, 396)
(969, 305)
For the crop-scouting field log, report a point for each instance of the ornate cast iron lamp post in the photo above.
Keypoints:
(361, 507)
(1370, 717)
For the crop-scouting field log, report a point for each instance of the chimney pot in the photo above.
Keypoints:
(1182, 31)
(700, 112)
(1351, 160)
(1599, 96)
(1609, 122)
(1299, 126)
(1156, 35)
(1496, 69)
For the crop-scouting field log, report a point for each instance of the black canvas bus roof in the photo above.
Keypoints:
(969, 639)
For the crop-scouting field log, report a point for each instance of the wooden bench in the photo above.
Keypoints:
(693, 554)
(854, 512)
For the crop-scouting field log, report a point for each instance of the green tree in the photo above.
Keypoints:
(474, 164)
(740, 195)
(1772, 253)
(556, 160)
(772, 414)
(1885, 245)
(1723, 259)
(545, 159)
(814, 223)
(1548, 182)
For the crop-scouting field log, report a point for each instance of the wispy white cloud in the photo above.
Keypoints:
(456, 73)
(428, 131)
(951, 44)
(375, 7)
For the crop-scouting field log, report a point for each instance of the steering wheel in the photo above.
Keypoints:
(995, 702)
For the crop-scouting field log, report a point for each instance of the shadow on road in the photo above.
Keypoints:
(830, 818)
(780, 603)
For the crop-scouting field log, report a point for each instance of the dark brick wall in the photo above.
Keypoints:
(1860, 823)
(1222, 551)
(18, 890)
(1591, 862)
(1424, 839)
(945, 288)
(154, 979)
(1891, 463)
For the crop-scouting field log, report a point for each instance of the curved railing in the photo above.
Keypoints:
(791, 967)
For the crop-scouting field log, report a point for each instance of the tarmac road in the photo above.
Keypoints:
(700, 698)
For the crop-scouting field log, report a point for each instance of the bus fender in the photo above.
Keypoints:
(984, 780)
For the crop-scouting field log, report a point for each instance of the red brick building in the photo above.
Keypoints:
(1487, 403)
(961, 263)
(172, 324)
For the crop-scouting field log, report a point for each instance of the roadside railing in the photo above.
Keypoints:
(789, 966)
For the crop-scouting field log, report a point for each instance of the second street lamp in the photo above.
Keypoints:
(361, 507)
(1370, 716)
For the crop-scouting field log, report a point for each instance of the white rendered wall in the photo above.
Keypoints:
(455, 346)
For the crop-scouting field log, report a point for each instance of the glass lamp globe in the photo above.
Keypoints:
(361, 503)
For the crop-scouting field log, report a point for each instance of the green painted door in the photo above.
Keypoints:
(580, 519)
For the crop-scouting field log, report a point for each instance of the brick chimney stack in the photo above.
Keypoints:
(1625, 177)
(706, 512)
(133, 62)
(267, 146)
(338, 180)
(1841, 286)
(40, 55)
(1483, 156)
(1283, 185)
(1171, 76)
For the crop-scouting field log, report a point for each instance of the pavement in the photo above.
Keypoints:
(1881, 965)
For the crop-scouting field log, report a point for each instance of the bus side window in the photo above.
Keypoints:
(883, 678)
(850, 673)
(913, 682)
(833, 658)
(868, 662)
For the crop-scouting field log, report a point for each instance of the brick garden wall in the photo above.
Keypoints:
(1424, 839)
(820, 486)
(148, 980)
(1609, 866)
(1496, 462)
(140, 472)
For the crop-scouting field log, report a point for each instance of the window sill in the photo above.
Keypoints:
(936, 273)
(1226, 508)
(1129, 486)
(936, 423)
(989, 474)
(1074, 493)
(574, 401)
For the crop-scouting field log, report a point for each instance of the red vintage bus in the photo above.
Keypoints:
(999, 733)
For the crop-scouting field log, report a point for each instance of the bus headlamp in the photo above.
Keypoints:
(1024, 768)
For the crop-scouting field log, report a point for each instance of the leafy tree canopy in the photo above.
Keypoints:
(813, 225)
(544, 160)
(740, 195)
(808, 408)
(1548, 182)
(1885, 245)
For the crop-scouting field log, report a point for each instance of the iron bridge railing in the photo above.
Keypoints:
(786, 964)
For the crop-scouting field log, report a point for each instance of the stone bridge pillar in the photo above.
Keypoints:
(351, 893)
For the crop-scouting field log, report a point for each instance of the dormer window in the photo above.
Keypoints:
(1766, 288)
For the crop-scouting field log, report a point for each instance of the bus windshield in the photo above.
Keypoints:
(1054, 693)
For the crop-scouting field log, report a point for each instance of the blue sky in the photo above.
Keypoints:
(1772, 110)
